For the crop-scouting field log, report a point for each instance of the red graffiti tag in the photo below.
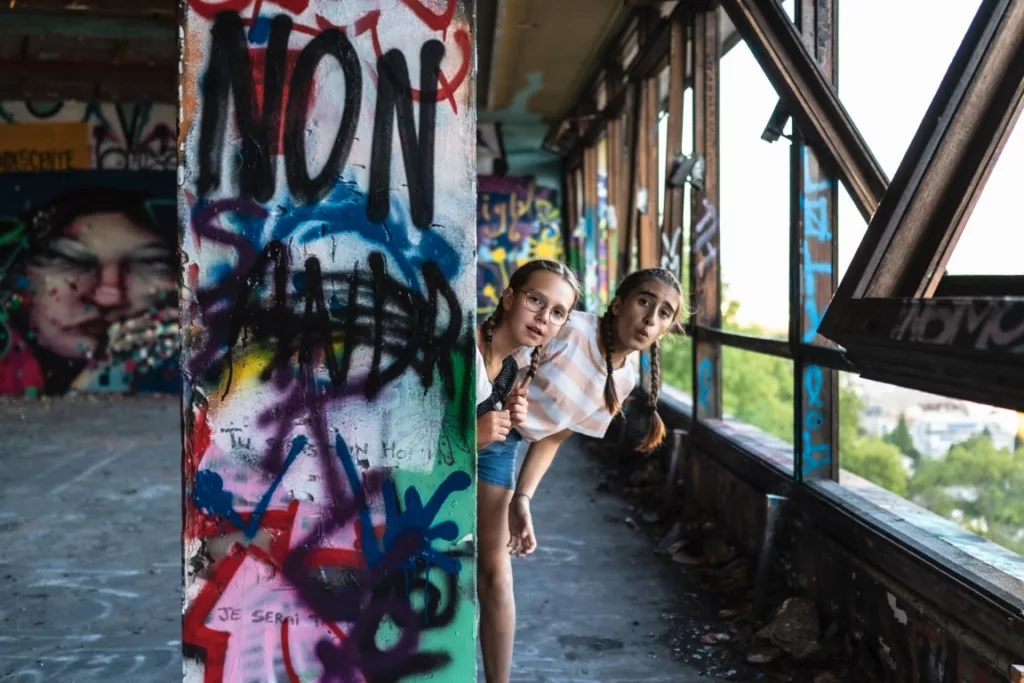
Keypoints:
(370, 21)
(437, 22)
(280, 522)
(194, 628)
(208, 9)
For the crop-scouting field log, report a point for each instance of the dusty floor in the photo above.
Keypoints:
(90, 581)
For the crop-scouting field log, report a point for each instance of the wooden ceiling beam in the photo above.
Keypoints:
(120, 7)
(158, 75)
(18, 22)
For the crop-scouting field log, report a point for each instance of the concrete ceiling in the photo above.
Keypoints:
(535, 54)
(105, 50)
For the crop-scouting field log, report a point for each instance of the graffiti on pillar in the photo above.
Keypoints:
(816, 199)
(604, 285)
(327, 316)
(517, 221)
(814, 203)
(705, 244)
(88, 283)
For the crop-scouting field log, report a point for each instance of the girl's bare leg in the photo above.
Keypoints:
(494, 582)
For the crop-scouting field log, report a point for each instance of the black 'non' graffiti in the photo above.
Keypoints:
(230, 73)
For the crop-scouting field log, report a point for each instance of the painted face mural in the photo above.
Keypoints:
(88, 291)
(327, 256)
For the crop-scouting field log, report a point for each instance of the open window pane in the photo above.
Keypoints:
(961, 460)
(754, 196)
(677, 362)
(892, 57)
(992, 242)
(852, 227)
(758, 389)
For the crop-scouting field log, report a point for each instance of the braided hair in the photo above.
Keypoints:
(519, 280)
(656, 429)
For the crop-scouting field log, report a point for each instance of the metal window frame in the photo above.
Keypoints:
(887, 313)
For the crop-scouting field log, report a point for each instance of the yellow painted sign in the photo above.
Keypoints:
(36, 147)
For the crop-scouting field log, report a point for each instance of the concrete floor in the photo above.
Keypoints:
(90, 579)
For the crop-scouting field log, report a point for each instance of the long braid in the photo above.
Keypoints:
(534, 363)
(487, 330)
(611, 398)
(656, 428)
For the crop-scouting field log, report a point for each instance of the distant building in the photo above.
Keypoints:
(936, 423)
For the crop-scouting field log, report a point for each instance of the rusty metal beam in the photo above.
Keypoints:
(156, 76)
(96, 7)
(634, 129)
(813, 101)
(616, 183)
(971, 349)
(814, 255)
(705, 270)
(910, 238)
(16, 21)
(648, 228)
(672, 224)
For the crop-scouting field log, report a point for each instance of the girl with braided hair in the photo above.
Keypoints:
(533, 308)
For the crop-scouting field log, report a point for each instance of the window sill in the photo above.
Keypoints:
(905, 540)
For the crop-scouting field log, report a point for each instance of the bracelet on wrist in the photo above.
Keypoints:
(517, 495)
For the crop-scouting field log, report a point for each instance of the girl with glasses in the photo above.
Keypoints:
(533, 308)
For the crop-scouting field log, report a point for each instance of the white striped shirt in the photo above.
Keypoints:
(568, 389)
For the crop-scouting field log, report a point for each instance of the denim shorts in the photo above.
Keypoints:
(496, 464)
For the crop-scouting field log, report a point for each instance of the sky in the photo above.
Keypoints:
(890, 65)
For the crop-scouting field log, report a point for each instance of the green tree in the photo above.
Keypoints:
(677, 362)
(985, 483)
(877, 461)
(866, 456)
(756, 388)
(901, 439)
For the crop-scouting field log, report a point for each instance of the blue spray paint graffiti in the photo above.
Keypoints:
(343, 212)
(815, 456)
(417, 521)
(705, 376)
(814, 206)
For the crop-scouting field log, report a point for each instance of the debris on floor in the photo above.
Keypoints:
(794, 628)
(717, 632)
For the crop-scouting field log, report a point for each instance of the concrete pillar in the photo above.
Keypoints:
(326, 199)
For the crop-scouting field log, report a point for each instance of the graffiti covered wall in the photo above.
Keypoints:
(517, 221)
(88, 297)
(136, 137)
(327, 248)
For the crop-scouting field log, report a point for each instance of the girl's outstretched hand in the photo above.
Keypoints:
(520, 527)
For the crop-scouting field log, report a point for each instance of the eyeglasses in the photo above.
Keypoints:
(537, 303)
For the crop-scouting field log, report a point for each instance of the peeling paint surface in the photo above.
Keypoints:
(901, 615)
(327, 212)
